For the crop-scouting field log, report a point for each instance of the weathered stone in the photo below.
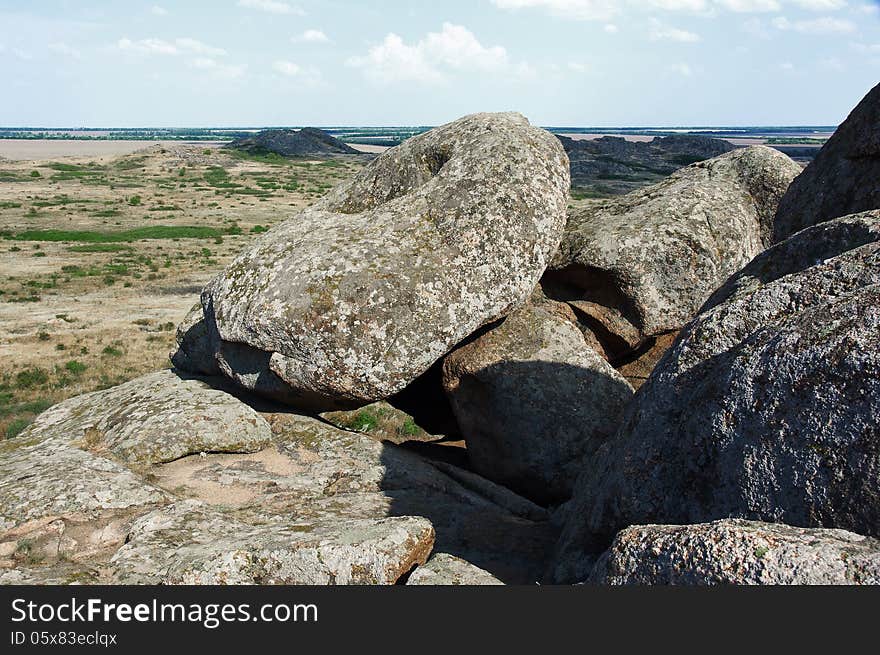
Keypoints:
(533, 399)
(362, 292)
(189, 543)
(306, 503)
(195, 352)
(740, 553)
(381, 421)
(767, 407)
(156, 418)
(656, 254)
(48, 475)
(447, 570)
(843, 179)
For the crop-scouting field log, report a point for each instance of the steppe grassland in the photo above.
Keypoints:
(100, 258)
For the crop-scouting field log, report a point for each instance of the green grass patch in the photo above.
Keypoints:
(30, 378)
(124, 236)
(75, 368)
(100, 247)
(17, 426)
(9, 205)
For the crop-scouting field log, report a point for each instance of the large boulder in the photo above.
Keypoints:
(654, 256)
(353, 299)
(767, 407)
(167, 480)
(533, 399)
(740, 553)
(843, 179)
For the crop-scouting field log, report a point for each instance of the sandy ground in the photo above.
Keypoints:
(361, 147)
(77, 316)
(28, 149)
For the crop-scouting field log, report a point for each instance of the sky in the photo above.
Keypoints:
(72, 63)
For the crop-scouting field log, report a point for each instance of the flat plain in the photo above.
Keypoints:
(102, 252)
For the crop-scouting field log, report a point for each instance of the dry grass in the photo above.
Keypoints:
(80, 313)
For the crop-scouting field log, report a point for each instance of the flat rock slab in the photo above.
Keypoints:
(353, 299)
(447, 570)
(156, 418)
(189, 543)
(303, 502)
(740, 553)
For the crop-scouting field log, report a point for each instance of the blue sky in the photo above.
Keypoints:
(336, 62)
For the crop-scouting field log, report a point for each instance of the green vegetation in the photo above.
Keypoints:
(363, 421)
(111, 351)
(134, 201)
(100, 247)
(17, 426)
(75, 368)
(123, 236)
(9, 205)
(31, 377)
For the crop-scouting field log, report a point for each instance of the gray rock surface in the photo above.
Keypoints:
(533, 399)
(843, 179)
(189, 543)
(90, 493)
(362, 292)
(447, 570)
(740, 553)
(156, 418)
(655, 255)
(766, 407)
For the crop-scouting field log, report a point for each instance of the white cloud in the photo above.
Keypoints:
(272, 7)
(578, 9)
(286, 68)
(454, 48)
(65, 50)
(156, 10)
(824, 25)
(311, 36)
(216, 69)
(682, 69)
(607, 9)
(749, 6)
(660, 32)
(611, 28)
(181, 46)
(307, 77)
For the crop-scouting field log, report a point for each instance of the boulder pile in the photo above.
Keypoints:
(442, 373)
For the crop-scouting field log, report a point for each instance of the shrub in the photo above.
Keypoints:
(75, 368)
(16, 427)
(31, 377)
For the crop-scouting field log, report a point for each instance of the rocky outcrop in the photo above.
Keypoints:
(766, 407)
(353, 299)
(448, 570)
(843, 179)
(612, 165)
(653, 257)
(740, 553)
(157, 418)
(143, 484)
(532, 399)
(306, 142)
